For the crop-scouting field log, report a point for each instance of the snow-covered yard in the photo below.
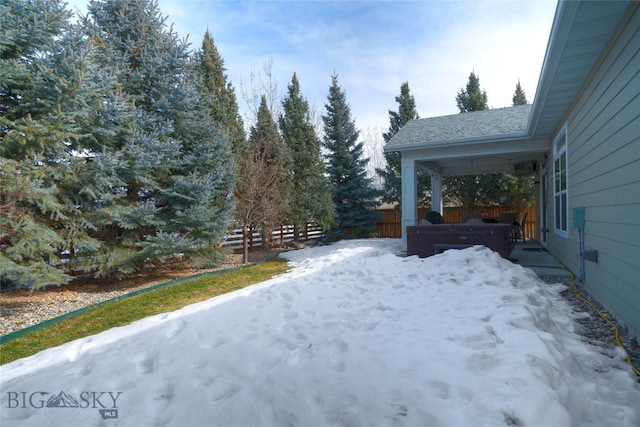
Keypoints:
(353, 335)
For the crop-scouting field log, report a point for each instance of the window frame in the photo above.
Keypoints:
(561, 183)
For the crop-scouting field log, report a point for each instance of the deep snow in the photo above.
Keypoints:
(352, 335)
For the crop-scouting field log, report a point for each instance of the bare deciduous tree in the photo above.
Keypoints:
(373, 144)
(261, 83)
(258, 195)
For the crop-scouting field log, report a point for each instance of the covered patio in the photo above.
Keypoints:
(582, 128)
(488, 141)
(512, 138)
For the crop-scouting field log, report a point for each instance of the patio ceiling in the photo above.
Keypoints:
(498, 140)
(473, 161)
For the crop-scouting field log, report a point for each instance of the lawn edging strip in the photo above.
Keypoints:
(17, 334)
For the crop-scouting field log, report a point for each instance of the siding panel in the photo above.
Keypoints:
(615, 232)
(617, 168)
(623, 194)
(614, 244)
(604, 176)
(622, 133)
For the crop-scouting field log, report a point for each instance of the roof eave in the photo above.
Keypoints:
(515, 136)
(562, 40)
(560, 29)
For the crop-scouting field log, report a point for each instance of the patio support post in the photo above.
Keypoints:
(409, 202)
(436, 192)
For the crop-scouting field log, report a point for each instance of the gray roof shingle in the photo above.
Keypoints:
(460, 127)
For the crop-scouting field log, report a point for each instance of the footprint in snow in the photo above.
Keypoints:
(175, 328)
(146, 363)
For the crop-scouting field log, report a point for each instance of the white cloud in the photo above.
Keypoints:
(500, 48)
(374, 46)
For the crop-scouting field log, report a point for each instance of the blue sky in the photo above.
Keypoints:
(373, 47)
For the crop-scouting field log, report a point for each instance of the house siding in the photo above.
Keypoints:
(603, 127)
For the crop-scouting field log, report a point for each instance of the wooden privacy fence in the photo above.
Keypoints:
(391, 223)
(281, 235)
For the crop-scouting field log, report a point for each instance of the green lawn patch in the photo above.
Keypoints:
(124, 311)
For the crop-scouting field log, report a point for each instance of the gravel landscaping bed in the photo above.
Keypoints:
(595, 329)
(22, 308)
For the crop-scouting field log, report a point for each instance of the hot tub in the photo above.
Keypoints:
(429, 239)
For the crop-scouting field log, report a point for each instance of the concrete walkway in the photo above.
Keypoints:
(534, 256)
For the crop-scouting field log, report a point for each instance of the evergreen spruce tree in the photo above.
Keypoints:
(354, 197)
(55, 109)
(223, 104)
(468, 190)
(177, 171)
(391, 174)
(519, 97)
(518, 190)
(310, 193)
(472, 98)
(223, 110)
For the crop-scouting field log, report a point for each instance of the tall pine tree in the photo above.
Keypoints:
(55, 111)
(472, 98)
(519, 97)
(391, 174)
(223, 103)
(177, 170)
(471, 191)
(354, 197)
(518, 190)
(310, 192)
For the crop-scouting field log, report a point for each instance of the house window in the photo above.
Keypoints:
(560, 184)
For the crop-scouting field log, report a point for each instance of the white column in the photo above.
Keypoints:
(409, 203)
(436, 192)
